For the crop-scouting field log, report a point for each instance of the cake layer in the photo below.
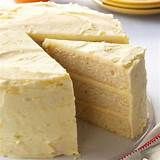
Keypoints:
(97, 93)
(62, 21)
(111, 121)
(104, 62)
(121, 67)
(35, 94)
(94, 92)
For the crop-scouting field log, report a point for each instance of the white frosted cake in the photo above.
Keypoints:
(71, 21)
(109, 82)
(35, 94)
(37, 113)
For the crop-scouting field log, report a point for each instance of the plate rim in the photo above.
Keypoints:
(138, 2)
(131, 6)
(128, 10)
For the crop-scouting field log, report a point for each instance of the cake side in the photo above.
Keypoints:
(61, 21)
(138, 96)
(32, 119)
(35, 94)
(105, 78)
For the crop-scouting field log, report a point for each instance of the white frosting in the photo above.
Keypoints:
(21, 58)
(35, 92)
(67, 21)
(120, 54)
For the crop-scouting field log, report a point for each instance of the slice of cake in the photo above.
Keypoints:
(63, 21)
(109, 82)
(37, 110)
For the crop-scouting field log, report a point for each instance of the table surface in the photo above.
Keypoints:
(143, 31)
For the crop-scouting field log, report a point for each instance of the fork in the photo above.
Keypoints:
(150, 142)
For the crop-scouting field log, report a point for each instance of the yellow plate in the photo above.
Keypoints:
(136, 1)
(133, 6)
(129, 11)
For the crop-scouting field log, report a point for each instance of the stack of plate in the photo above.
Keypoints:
(139, 7)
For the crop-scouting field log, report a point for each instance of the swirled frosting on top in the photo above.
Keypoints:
(62, 21)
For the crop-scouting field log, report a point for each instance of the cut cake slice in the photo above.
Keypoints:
(109, 82)
(35, 94)
(62, 21)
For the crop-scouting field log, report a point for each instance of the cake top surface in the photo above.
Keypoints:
(121, 54)
(21, 58)
(49, 18)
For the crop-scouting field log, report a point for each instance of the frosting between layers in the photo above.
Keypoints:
(110, 120)
(98, 84)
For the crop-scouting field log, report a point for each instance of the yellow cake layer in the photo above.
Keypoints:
(91, 91)
(114, 122)
(62, 21)
(95, 94)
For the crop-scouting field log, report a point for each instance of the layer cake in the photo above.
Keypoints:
(109, 82)
(37, 114)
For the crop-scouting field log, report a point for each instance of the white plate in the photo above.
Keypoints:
(98, 144)
(132, 11)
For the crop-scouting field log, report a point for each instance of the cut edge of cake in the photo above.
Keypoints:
(124, 64)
